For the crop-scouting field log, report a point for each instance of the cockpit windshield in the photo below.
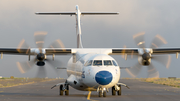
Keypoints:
(88, 63)
(114, 63)
(97, 63)
(107, 63)
(101, 63)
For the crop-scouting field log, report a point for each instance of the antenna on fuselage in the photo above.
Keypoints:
(78, 13)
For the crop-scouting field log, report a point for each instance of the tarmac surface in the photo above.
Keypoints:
(139, 91)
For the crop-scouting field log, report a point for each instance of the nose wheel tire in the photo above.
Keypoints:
(100, 94)
(61, 90)
(104, 94)
(113, 91)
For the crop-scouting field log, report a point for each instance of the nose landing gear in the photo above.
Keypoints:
(102, 91)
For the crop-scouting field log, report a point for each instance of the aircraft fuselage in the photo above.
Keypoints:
(86, 74)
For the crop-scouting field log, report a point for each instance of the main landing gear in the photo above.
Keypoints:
(63, 89)
(116, 88)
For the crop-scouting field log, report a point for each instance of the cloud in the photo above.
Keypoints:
(17, 21)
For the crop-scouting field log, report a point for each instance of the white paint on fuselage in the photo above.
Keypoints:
(75, 71)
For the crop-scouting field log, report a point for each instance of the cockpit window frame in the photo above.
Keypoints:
(89, 63)
(96, 64)
(114, 63)
(107, 64)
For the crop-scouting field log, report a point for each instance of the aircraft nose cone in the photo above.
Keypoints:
(103, 77)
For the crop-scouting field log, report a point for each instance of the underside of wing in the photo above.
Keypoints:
(14, 51)
(56, 13)
(121, 51)
(99, 13)
(166, 50)
(52, 51)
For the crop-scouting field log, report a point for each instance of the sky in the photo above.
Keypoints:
(18, 21)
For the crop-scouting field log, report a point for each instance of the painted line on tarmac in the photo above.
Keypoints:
(89, 95)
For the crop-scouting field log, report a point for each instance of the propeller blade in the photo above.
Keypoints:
(25, 66)
(123, 52)
(133, 56)
(54, 64)
(139, 39)
(163, 59)
(39, 39)
(158, 41)
(22, 45)
(41, 72)
(134, 71)
(57, 44)
(152, 72)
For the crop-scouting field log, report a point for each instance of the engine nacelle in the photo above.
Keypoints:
(37, 51)
(143, 61)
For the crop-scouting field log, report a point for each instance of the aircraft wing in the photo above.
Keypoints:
(65, 51)
(133, 51)
(14, 51)
(166, 50)
(109, 51)
(119, 51)
(56, 13)
(99, 13)
(58, 51)
(74, 13)
(33, 51)
(112, 51)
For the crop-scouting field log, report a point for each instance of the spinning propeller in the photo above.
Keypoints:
(145, 56)
(40, 55)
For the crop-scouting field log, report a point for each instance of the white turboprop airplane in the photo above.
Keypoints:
(91, 69)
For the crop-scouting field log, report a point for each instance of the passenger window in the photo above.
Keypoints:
(107, 62)
(115, 64)
(89, 63)
(97, 63)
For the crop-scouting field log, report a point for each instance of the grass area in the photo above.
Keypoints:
(163, 81)
(8, 82)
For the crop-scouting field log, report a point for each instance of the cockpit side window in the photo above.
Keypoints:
(97, 63)
(107, 63)
(114, 63)
(88, 63)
